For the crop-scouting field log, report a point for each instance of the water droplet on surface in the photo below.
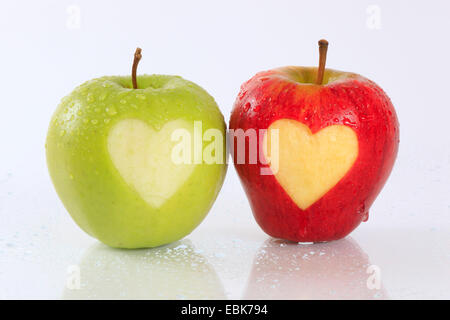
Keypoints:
(123, 101)
(94, 121)
(63, 132)
(106, 120)
(141, 96)
(71, 176)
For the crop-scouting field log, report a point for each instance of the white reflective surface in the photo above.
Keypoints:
(336, 270)
(176, 271)
(52, 258)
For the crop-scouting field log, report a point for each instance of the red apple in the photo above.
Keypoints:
(338, 137)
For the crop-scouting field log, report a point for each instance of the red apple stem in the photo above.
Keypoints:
(137, 58)
(323, 48)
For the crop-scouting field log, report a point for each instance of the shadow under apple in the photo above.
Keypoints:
(174, 271)
(334, 270)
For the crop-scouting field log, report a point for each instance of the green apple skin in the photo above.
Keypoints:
(90, 186)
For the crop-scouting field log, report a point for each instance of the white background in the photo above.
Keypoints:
(47, 50)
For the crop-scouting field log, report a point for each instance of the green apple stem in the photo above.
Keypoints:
(323, 47)
(137, 58)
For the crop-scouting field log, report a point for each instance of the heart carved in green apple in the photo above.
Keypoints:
(132, 144)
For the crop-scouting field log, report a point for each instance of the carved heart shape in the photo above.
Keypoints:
(143, 157)
(309, 165)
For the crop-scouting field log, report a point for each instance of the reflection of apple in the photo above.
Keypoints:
(175, 271)
(338, 140)
(335, 270)
(109, 153)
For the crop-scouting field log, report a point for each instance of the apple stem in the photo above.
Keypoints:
(323, 47)
(137, 58)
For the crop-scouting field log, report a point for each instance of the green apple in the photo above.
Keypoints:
(110, 151)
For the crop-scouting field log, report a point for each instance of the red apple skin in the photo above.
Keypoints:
(353, 101)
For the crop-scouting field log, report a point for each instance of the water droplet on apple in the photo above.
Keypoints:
(348, 122)
(106, 120)
(85, 120)
(141, 96)
(94, 121)
(71, 176)
(366, 216)
(111, 111)
(123, 101)
(90, 97)
(103, 96)
(362, 210)
(63, 132)
(242, 94)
